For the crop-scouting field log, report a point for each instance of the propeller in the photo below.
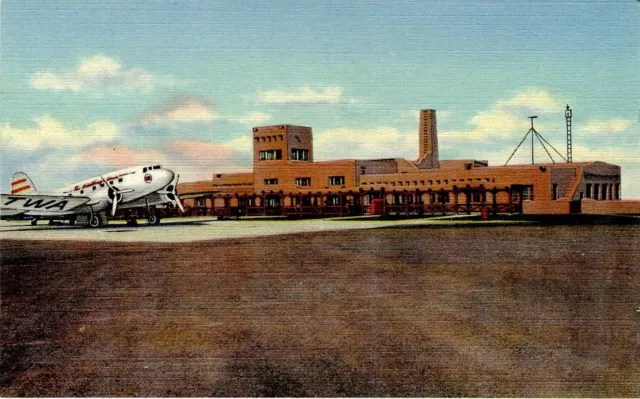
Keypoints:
(171, 191)
(115, 195)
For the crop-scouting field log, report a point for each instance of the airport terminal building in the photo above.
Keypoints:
(286, 181)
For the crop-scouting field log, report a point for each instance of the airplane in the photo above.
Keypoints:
(90, 200)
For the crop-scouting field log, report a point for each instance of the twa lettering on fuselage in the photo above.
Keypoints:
(36, 203)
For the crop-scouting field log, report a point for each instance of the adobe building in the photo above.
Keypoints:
(286, 181)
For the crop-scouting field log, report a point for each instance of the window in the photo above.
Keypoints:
(617, 191)
(596, 189)
(336, 180)
(299, 155)
(94, 187)
(588, 190)
(554, 195)
(144, 170)
(303, 181)
(268, 155)
(120, 180)
(270, 182)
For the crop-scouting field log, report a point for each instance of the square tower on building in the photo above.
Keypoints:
(282, 143)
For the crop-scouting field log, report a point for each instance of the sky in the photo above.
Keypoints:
(89, 86)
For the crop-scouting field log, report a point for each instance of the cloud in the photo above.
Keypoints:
(96, 75)
(118, 157)
(186, 113)
(197, 160)
(198, 150)
(252, 118)
(189, 110)
(508, 118)
(606, 126)
(49, 132)
(537, 100)
(304, 95)
(383, 142)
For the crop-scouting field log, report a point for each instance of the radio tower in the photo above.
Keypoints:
(567, 115)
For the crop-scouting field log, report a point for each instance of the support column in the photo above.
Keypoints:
(455, 200)
(263, 199)
(494, 193)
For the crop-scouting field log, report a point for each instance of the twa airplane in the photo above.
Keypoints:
(90, 200)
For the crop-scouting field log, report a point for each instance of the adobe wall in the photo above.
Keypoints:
(616, 207)
(560, 207)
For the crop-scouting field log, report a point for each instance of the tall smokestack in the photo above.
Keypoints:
(428, 134)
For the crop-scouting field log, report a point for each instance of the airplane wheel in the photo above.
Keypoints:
(72, 222)
(153, 219)
(94, 221)
(34, 221)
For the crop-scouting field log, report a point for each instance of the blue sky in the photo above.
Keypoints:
(88, 86)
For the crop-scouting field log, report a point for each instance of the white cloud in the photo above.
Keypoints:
(508, 119)
(252, 118)
(50, 133)
(96, 75)
(606, 126)
(537, 100)
(304, 95)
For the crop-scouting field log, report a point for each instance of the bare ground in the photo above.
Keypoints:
(502, 311)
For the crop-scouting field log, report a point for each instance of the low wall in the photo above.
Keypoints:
(618, 207)
(559, 207)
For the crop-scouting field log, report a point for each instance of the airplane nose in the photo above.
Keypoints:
(165, 176)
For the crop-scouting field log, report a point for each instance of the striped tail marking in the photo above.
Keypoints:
(20, 183)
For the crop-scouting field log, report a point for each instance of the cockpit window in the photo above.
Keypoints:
(144, 170)
(156, 167)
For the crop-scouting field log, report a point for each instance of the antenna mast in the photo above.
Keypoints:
(567, 115)
(534, 134)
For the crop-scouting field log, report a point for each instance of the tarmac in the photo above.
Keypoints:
(189, 229)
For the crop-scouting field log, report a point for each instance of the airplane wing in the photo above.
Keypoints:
(40, 205)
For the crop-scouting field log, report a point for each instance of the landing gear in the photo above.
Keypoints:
(153, 219)
(72, 222)
(34, 221)
(95, 221)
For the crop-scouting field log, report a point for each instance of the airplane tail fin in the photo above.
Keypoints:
(21, 184)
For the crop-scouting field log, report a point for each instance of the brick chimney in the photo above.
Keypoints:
(428, 135)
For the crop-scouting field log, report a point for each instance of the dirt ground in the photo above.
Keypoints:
(499, 311)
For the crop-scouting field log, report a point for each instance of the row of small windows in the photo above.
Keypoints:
(95, 186)
(603, 191)
(299, 154)
(296, 155)
(268, 139)
(306, 181)
(144, 170)
(430, 182)
(303, 181)
(270, 155)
